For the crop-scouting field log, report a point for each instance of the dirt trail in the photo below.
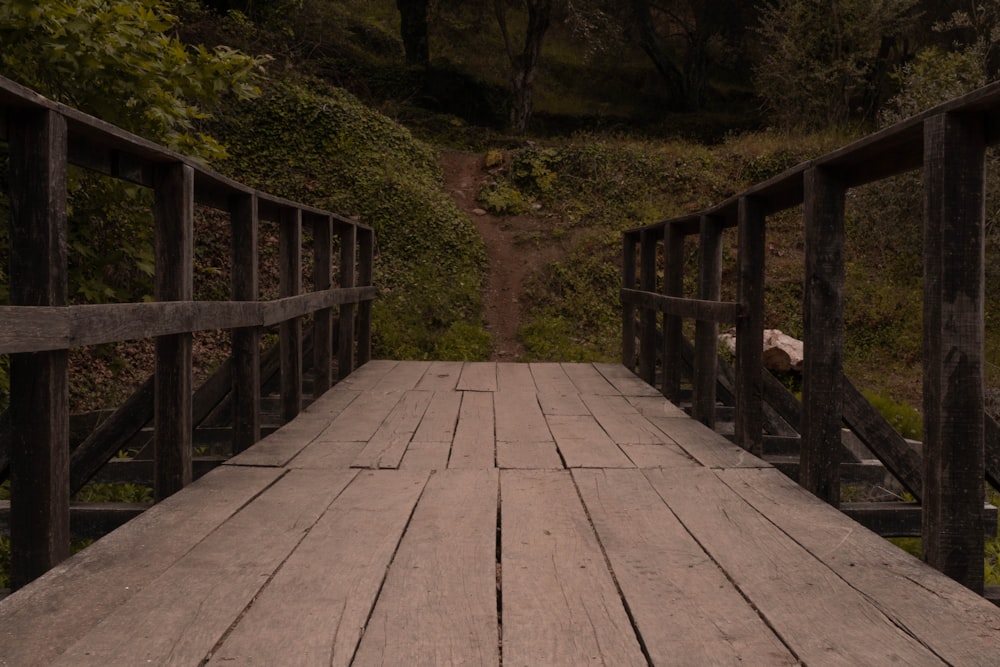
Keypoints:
(513, 249)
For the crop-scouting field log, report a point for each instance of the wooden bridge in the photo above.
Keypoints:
(480, 513)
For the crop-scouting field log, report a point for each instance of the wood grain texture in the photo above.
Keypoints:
(648, 406)
(478, 376)
(474, 443)
(173, 213)
(348, 278)
(823, 337)
(404, 377)
(685, 608)
(622, 422)
(519, 418)
(625, 382)
(720, 312)
(584, 444)
(366, 269)
(648, 241)
(439, 421)
(515, 378)
(557, 395)
(422, 455)
(39, 383)
(629, 242)
(964, 629)
(819, 616)
(749, 390)
(362, 416)
(588, 380)
(705, 445)
(673, 334)
(658, 456)
(290, 331)
(326, 454)
(441, 376)
(178, 618)
(560, 604)
(387, 445)
(438, 604)
(315, 615)
(78, 594)
(954, 212)
(245, 382)
(322, 231)
(528, 455)
(367, 376)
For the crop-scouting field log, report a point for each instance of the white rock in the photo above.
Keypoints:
(781, 351)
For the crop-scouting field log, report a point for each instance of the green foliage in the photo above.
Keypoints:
(464, 341)
(99, 492)
(119, 60)
(907, 421)
(549, 336)
(317, 144)
(819, 66)
(502, 198)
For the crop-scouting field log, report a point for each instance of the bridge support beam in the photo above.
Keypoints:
(954, 223)
(290, 331)
(823, 319)
(673, 331)
(706, 333)
(749, 388)
(348, 278)
(245, 341)
(39, 385)
(173, 213)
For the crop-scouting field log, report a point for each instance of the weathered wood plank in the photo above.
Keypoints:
(386, 447)
(77, 595)
(649, 406)
(322, 231)
(958, 625)
(285, 444)
(622, 421)
(519, 418)
(478, 376)
(954, 231)
(173, 212)
(441, 376)
(366, 269)
(290, 331)
(245, 383)
(515, 377)
(367, 376)
(474, 443)
(658, 456)
(177, 619)
(440, 419)
(403, 377)
(628, 310)
(422, 455)
(706, 446)
(685, 608)
(560, 604)
(39, 389)
(557, 394)
(648, 240)
(584, 444)
(361, 416)
(823, 338)
(529, 455)
(818, 615)
(719, 312)
(348, 278)
(625, 382)
(749, 390)
(588, 380)
(438, 604)
(331, 604)
(327, 454)
(673, 334)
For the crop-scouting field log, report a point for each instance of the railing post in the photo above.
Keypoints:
(39, 396)
(366, 277)
(647, 317)
(628, 309)
(750, 328)
(706, 334)
(823, 318)
(673, 333)
(290, 331)
(322, 229)
(348, 263)
(954, 200)
(245, 341)
(173, 212)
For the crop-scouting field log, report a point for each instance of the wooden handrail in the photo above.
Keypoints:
(38, 327)
(949, 142)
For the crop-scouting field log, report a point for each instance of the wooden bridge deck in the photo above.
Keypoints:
(441, 513)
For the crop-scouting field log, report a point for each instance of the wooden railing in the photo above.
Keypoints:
(38, 328)
(961, 444)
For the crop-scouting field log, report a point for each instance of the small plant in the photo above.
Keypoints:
(907, 421)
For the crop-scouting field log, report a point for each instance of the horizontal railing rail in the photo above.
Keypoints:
(39, 326)
(961, 445)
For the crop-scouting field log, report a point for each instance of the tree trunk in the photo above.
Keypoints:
(650, 44)
(413, 31)
(524, 65)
